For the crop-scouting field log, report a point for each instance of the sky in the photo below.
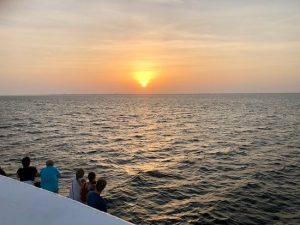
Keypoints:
(149, 46)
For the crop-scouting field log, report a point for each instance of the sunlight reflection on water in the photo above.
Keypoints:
(170, 159)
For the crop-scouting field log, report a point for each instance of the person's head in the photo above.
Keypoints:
(2, 172)
(26, 161)
(79, 173)
(49, 163)
(100, 185)
(91, 177)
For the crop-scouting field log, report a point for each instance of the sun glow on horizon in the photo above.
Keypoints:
(144, 72)
(144, 77)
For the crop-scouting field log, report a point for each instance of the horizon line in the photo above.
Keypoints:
(204, 93)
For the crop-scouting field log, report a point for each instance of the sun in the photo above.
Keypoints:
(144, 77)
(144, 72)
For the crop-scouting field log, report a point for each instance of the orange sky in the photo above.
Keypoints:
(168, 46)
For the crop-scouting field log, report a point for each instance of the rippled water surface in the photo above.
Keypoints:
(168, 159)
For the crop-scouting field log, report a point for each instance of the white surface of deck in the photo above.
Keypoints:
(23, 204)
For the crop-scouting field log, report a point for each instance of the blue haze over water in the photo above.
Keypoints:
(168, 159)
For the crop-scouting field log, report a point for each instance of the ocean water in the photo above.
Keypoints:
(168, 159)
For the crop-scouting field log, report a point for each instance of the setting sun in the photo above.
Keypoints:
(144, 77)
(144, 72)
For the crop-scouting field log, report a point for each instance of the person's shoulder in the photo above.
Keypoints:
(91, 186)
(91, 194)
(33, 168)
(54, 168)
(102, 199)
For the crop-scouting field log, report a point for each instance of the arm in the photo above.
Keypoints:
(58, 174)
(37, 174)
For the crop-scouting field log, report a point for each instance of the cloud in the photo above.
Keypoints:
(77, 37)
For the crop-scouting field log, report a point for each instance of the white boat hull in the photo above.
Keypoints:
(24, 204)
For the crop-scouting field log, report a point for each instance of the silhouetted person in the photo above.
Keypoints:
(77, 183)
(49, 177)
(94, 199)
(2, 172)
(28, 173)
(88, 186)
